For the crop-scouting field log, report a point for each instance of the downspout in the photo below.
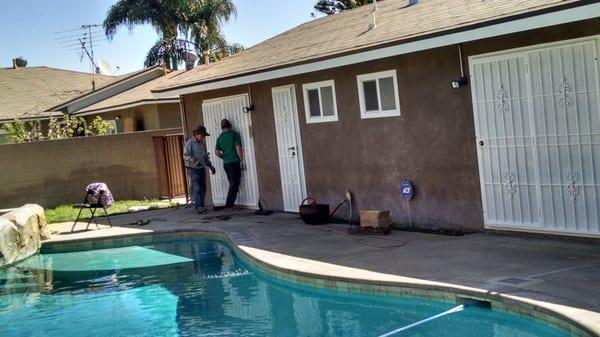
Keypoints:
(460, 56)
(184, 126)
(184, 129)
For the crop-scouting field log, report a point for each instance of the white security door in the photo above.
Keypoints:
(505, 143)
(289, 147)
(231, 108)
(537, 116)
(564, 82)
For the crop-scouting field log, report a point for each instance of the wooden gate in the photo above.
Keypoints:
(170, 169)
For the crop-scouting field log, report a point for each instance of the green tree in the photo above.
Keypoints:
(202, 27)
(99, 127)
(201, 19)
(163, 15)
(220, 52)
(58, 128)
(330, 7)
(23, 131)
(66, 127)
(166, 48)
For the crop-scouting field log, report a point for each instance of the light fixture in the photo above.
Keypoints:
(461, 82)
(248, 109)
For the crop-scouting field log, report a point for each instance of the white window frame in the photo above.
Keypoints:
(360, 79)
(115, 126)
(318, 85)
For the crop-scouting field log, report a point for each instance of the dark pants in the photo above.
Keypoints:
(234, 174)
(198, 178)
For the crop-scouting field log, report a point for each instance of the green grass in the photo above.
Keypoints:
(65, 213)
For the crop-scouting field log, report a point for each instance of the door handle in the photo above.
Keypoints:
(293, 148)
(481, 143)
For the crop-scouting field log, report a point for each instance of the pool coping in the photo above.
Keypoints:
(579, 322)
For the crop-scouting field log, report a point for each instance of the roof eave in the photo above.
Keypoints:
(127, 106)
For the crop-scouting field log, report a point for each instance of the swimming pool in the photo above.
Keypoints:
(201, 287)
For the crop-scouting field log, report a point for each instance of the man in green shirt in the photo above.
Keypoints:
(229, 148)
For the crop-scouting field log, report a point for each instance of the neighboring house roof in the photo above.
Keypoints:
(123, 83)
(348, 32)
(28, 92)
(139, 95)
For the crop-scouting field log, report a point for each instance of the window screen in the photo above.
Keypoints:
(388, 97)
(370, 90)
(313, 103)
(327, 100)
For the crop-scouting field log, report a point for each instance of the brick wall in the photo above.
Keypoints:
(51, 173)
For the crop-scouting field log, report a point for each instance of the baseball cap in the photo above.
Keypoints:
(201, 130)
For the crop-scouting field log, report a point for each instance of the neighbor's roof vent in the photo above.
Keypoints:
(409, 3)
(373, 23)
(19, 62)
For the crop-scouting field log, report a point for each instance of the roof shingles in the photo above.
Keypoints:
(349, 32)
(28, 92)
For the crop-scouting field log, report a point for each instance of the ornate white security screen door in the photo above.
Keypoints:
(213, 112)
(537, 119)
(289, 147)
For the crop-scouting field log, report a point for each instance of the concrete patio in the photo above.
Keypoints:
(559, 271)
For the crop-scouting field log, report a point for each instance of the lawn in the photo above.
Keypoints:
(65, 213)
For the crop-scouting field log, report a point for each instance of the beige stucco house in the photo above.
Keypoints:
(129, 103)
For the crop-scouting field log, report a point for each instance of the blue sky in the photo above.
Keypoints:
(28, 28)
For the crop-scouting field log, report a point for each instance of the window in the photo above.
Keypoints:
(319, 102)
(378, 94)
(113, 126)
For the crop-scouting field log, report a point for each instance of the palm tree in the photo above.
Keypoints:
(166, 49)
(163, 15)
(201, 18)
(202, 26)
(330, 7)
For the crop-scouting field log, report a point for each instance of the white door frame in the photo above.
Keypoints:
(299, 151)
(249, 150)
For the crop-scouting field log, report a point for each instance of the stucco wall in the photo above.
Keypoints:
(432, 143)
(50, 173)
(145, 117)
(169, 115)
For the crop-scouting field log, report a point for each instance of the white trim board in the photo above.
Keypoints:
(539, 21)
(218, 99)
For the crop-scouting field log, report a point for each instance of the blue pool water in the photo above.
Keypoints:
(199, 287)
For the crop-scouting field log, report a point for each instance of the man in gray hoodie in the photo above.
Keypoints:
(196, 161)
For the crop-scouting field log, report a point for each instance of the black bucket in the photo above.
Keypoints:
(313, 213)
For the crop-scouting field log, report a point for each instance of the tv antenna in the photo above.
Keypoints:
(82, 40)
